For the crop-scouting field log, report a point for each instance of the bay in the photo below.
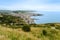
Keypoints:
(48, 17)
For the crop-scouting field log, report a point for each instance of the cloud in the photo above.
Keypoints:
(43, 5)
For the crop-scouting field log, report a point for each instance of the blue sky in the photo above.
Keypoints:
(43, 5)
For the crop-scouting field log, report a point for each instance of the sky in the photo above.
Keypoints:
(40, 5)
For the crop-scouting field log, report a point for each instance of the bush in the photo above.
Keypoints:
(52, 24)
(44, 32)
(58, 27)
(26, 28)
(28, 39)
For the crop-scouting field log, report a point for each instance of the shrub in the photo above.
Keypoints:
(52, 24)
(28, 39)
(58, 27)
(26, 28)
(44, 32)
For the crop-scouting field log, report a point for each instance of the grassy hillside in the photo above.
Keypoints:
(15, 28)
(36, 33)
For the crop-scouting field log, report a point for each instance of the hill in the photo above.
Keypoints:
(38, 32)
(15, 28)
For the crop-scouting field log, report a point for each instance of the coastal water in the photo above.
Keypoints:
(48, 17)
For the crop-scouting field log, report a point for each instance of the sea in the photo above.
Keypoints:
(47, 17)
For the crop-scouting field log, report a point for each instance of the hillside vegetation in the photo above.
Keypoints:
(37, 32)
(15, 28)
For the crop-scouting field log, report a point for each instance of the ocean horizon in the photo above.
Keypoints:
(48, 17)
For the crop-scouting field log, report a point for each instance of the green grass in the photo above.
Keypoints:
(36, 33)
